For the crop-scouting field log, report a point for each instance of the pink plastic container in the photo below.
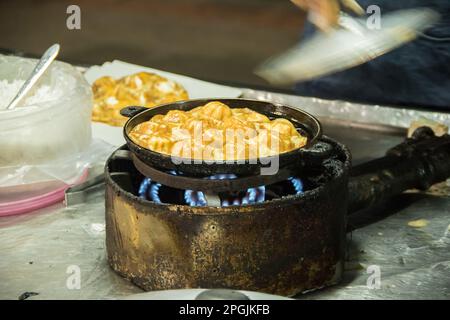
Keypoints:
(46, 194)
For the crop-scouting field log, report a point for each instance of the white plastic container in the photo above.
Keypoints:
(41, 142)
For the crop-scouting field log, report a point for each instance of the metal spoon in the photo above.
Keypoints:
(42, 65)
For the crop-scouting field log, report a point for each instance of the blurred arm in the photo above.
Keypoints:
(325, 13)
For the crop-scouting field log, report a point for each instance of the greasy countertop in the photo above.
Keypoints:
(40, 250)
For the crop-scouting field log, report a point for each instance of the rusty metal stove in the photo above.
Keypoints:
(284, 246)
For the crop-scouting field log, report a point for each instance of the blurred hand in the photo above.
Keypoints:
(325, 13)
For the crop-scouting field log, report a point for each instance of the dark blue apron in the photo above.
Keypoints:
(417, 74)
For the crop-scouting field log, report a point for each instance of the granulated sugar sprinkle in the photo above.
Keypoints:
(41, 93)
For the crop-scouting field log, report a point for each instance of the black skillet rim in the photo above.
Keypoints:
(313, 134)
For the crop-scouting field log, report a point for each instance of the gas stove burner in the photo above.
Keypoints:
(150, 190)
(286, 245)
(179, 229)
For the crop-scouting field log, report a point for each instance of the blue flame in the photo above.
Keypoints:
(143, 188)
(150, 190)
(297, 184)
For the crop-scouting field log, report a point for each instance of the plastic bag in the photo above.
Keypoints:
(46, 183)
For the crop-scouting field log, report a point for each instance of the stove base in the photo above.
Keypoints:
(284, 246)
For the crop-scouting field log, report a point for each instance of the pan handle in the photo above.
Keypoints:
(317, 153)
(131, 111)
(419, 162)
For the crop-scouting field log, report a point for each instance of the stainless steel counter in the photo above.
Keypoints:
(38, 250)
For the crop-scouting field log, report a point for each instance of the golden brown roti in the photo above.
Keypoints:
(217, 132)
(140, 89)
